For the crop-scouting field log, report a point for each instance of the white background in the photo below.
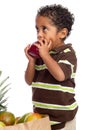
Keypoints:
(17, 29)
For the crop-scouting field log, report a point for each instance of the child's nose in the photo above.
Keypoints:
(40, 35)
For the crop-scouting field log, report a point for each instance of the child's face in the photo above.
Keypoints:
(46, 30)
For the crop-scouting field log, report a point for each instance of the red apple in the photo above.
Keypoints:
(33, 51)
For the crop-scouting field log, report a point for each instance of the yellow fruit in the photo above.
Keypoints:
(2, 124)
(7, 117)
(33, 116)
(22, 118)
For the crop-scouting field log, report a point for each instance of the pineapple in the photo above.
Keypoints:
(3, 90)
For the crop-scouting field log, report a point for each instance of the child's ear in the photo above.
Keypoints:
(63, 33)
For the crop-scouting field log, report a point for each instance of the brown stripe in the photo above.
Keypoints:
(52, 97)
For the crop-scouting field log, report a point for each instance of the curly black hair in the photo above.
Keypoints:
(60, 16)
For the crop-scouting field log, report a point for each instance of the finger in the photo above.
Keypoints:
(50, 44)
(27, 48)
(37, 45)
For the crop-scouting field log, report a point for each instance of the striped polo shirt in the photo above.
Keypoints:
(52, 97)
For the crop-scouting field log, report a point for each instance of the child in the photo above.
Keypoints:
(52, 76)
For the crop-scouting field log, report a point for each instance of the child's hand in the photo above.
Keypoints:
(27, 54)
(44, 47)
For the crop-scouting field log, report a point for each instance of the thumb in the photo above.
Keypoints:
(50, 45)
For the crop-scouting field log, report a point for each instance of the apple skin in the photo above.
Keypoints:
(33, 116)
(33, 51)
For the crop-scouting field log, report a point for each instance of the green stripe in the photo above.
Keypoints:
(40, 67)
(67, 50)
(73, 75)
(54, 122)
(55, 107)
(43, 66)
(53, 87)
(52, 52)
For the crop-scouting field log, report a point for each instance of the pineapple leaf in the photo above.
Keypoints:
(3, 108)
(5, 87)
(0, 73)
(3, 81)
(2, 95)
(3, 101)
(3, 91)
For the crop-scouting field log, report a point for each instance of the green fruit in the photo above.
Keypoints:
(16, 119)
(22, 118)
(2, 124)
(7, 117)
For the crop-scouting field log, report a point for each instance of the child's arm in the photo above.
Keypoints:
(30, 70)
(29, 73)
(51, 64)
(54, 68)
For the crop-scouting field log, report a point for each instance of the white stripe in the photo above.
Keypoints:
(68, 63)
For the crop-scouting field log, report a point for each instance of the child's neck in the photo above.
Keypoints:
(60, 44)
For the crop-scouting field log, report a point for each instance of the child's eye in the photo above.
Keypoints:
(44, 28)
(37, 29)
